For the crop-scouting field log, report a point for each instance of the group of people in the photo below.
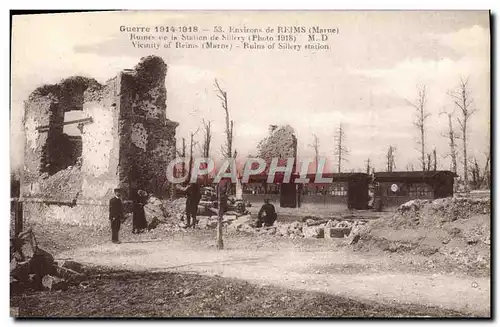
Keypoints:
(117, 213)
(266, 217)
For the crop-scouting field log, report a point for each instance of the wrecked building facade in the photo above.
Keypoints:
(281, 143)
(125, 140)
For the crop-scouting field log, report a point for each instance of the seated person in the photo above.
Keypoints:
(267, 214)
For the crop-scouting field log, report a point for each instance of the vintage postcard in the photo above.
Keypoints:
(250, 164)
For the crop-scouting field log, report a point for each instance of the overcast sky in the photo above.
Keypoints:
(375, 64)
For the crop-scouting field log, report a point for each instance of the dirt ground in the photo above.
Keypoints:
(390, 280)
(146, 294)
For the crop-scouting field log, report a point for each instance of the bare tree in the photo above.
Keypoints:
(315, 146)
(429, 162)
(192, 143)
(341, 150)
(391, 162)
(368, 167)
(480, 178)
(227, 152)
(486, 179)
(463, 100)
(422, 115)
(227, 148)
(207, 138)
(476, 173)
(182, 153)
(452, 136)
(434, 159)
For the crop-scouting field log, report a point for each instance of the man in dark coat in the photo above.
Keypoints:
(193, 199)
(116, 215)
(267, 214)
(139, 222)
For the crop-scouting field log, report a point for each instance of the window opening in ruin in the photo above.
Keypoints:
(64, 146)
(72, 134)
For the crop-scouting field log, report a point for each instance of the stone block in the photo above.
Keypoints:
(313, 232)
(337, 232)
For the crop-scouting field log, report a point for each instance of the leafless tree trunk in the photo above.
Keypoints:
(192, 143)
(480, 178)
(227, 152)
(486, 179)
(182, 153)
(422, 115)
(463, 100)
(315, 146)
(434, 155)
(391, 162)
(207, 138)
(341, 150)
(453, 148)
(429, 162)
(227, 148)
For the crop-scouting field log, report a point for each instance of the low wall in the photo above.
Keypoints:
(259, 198)
(305, 199)
(92, 215)
(323, 199)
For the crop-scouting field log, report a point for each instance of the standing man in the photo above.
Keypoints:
(193, 197)
(116, 215)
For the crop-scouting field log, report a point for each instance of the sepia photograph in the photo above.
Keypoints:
(250, 164)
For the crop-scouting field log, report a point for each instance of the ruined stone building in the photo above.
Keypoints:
(281, 143)
(123, 139)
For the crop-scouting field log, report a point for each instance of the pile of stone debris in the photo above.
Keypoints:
(310, 228)
(445, 209)
(34, 268)
(454, 231)
(167, 216)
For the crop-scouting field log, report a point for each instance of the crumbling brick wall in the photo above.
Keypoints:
(126, 140)
(148, 137)
(50, 169)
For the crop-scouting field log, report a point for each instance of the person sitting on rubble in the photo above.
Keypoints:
(267, 214)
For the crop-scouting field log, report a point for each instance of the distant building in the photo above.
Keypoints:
(353, 189)
(398, 187)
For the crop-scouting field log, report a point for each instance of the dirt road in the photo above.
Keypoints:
(318, 265)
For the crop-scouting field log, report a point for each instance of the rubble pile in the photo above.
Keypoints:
(207, 210)
(154, 208)
(452, 230)
(34, 268)
(175, 208)
(441, 210)
(309, 229)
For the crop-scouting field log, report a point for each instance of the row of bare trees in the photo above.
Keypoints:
(340, 151)
(464, 104)
(227, 150)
